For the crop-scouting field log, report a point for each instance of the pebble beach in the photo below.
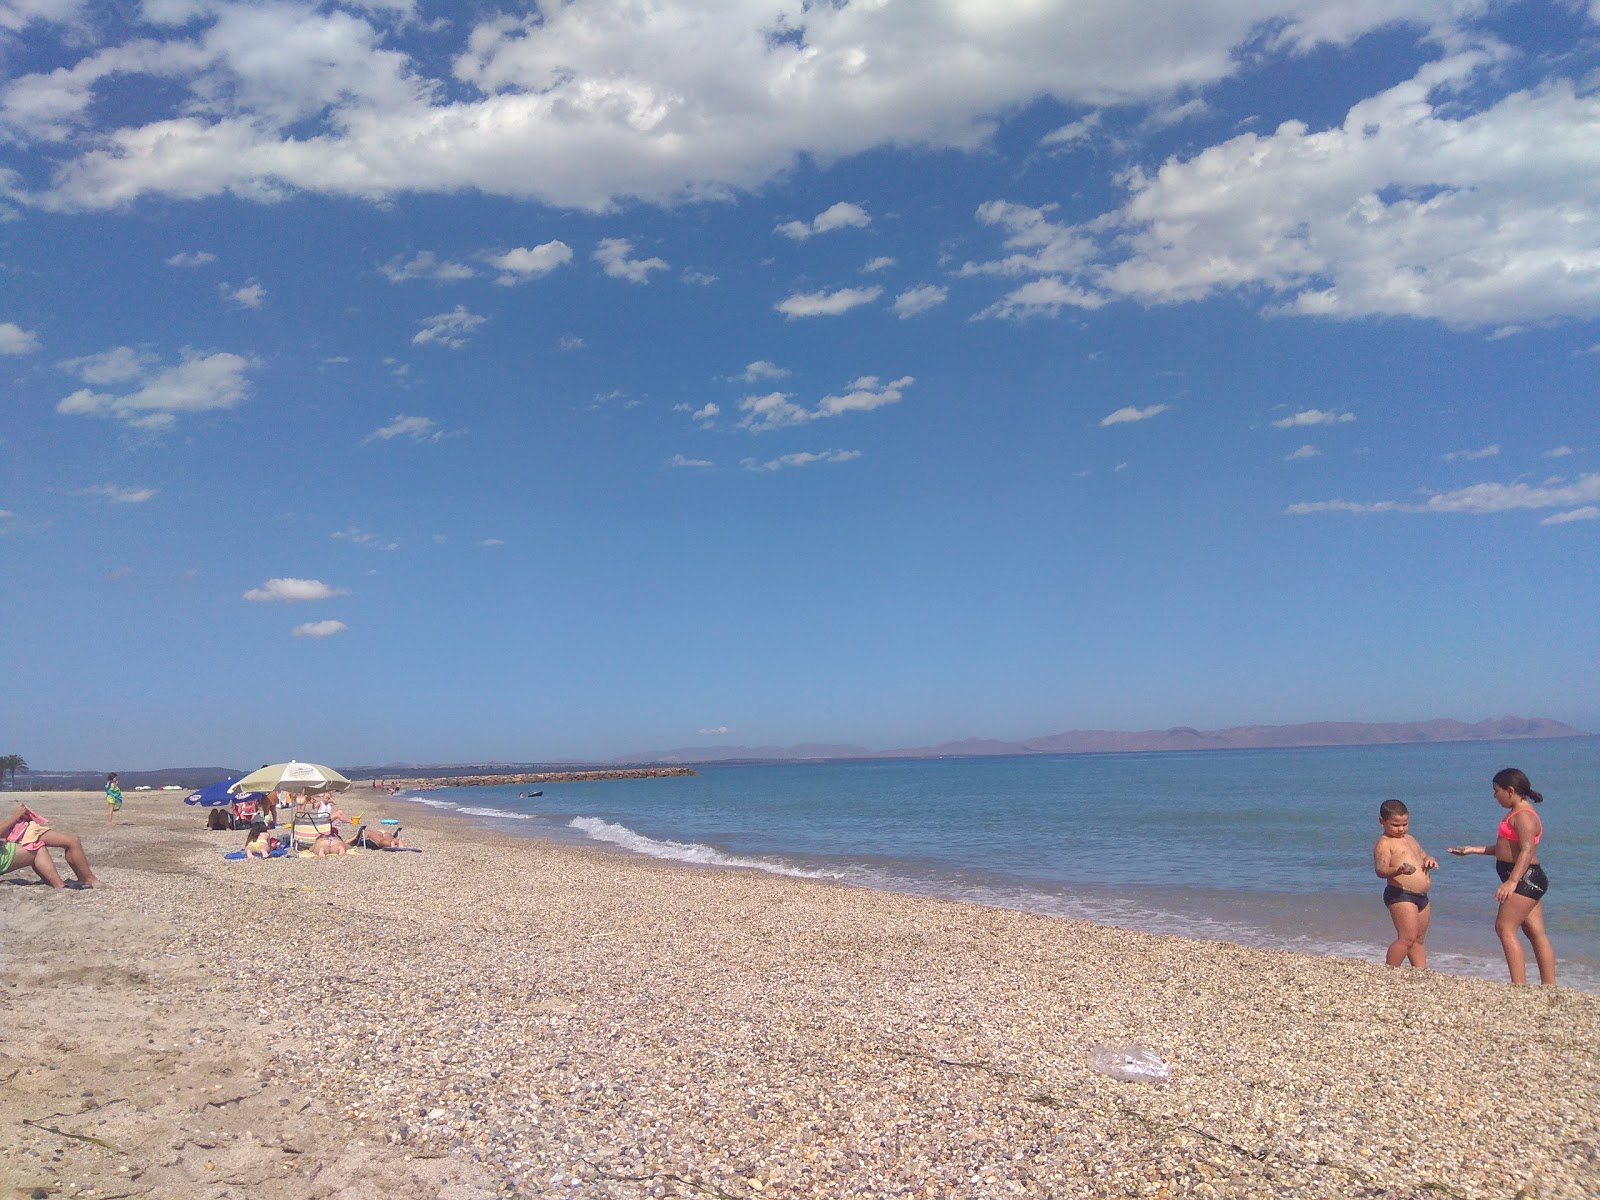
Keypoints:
(505, 1017)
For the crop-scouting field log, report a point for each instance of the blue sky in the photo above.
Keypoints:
(420, 382)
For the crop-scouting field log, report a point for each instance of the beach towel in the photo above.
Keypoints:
(28, 832)
(238, 855)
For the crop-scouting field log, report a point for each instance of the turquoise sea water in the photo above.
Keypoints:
(1267, 848)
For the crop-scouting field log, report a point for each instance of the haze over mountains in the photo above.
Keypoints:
(1104, 741)
(1081, 741)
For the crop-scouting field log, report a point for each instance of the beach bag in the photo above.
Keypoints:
(29, 832)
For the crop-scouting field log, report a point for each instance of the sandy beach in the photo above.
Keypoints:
(497, 1016)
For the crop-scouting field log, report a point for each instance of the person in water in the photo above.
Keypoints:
(1523, 882)
(1401, 862)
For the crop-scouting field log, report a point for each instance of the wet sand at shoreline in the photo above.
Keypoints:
(501, 1016)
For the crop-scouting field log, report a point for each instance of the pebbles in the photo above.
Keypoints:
(580, 1024)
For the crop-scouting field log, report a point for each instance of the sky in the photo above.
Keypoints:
(406, 381)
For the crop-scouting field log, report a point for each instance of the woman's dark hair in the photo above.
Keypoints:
(257, 828)
(1514, 780)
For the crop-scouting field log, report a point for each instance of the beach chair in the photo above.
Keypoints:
(306, 828)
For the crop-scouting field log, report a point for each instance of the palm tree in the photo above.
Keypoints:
(8, 766)
(18, 763)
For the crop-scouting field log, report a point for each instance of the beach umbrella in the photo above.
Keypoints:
(292, 777)
(215, 795)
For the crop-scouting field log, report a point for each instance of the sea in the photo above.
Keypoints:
(1266, 848)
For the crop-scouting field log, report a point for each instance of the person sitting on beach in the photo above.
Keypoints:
(1399, 856)
(27, 841)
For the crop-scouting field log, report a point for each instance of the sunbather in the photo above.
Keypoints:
(258, 844)
(34, 850)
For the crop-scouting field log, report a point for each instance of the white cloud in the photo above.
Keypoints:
(291, 591)
(425, 264)
(698, 278)
(248, 295)
(319, 629)
(1422, 203)
(681, 460)
(1588, 512)
(418, 429)
(1042, 298)
(449, 329)
(882, 263)
(1123, 415)
(1472, 455)
(491, 542)
(1313, 416)
(1306, 451)
(843, 215)
(524, 263)
(361, 537)
(804, 458)
(1478, 499)
(198, 383)
(827, 304)
(1072, 133)
(707, 412)
(776, 410)
(16, 340)
(121, 495)
(716, 731)
(919, 299)
(590, 103)
(570, 341)
(615, 257)
(759, 370)
(191, 258)
(1038, 245)
(1558, 452)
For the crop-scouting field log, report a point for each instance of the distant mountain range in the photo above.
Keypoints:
(1081, 741)
(1106, 741)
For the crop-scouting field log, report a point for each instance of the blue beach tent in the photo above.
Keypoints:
(215, 795)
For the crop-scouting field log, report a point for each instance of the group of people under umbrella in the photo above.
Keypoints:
(256, 801)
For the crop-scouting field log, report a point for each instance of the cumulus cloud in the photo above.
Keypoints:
(1042, 298)
(881, 263)
(1306, 451)
(1472, 455)
(1123, 415)
(843, 215)
(1588, 512)
(615, 256)
(588, 104)
(716, 731)
(827, 304)
(191, 258)
(247, 295)
(804, 458)
(683, 460)
(290, 590)
(361, 537)
(150, 395)
(418, 429)
(16, 340)
(120, 495)
(1478, 499)
(424, 264)
(776, 410)
(450, 329)
(524, 263)
(761, 369)
(917, 300)
(1313, 416)
(1437, 198)
(1558, 452)
(319, 629)
(492, 541)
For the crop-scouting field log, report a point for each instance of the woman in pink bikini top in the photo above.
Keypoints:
(1523, 882)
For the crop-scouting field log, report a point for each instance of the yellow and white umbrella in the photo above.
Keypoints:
(292, 777)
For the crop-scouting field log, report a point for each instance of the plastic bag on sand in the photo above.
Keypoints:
(1132, 1064)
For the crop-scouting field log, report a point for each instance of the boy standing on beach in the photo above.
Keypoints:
(1399, 856)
